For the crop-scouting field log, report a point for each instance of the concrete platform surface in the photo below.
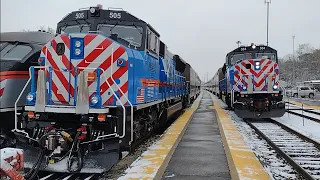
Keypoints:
(200, 153)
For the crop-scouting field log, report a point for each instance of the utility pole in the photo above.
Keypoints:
(238, 42)
(293, 58)
(268, 2)
(293, 37)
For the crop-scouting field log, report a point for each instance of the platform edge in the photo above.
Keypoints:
(157, 170)
(236, 168)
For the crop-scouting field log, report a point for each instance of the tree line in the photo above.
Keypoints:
(42, 28)
(303, 65)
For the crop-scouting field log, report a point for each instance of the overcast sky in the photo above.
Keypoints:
(200, 31)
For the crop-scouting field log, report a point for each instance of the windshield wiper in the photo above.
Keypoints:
(113, 27)
(137, 28)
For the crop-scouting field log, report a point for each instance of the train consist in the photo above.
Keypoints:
(248, 82)
(103, 82)
(19, 51)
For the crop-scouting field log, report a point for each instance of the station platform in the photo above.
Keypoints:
(308, 103)
(200, 153)
(203, 143)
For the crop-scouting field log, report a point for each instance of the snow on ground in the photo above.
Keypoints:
(276, 166)
(302, 125)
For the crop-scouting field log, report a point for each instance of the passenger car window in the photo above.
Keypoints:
(2, 45)
(15, 52)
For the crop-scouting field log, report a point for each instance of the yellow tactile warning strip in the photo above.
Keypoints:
(152, 163)
(304, 105)
(243, 164)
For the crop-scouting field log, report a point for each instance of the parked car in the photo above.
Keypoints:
(301, 91)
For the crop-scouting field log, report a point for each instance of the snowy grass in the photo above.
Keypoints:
(302, 125)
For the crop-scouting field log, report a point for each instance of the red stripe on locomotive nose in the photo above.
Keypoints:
(115, 75)
(107, 63)
(59, 96)
(58, 72)
(94, 54)
(66, 40)
(1, 91)
(123, 88)
(88, 38)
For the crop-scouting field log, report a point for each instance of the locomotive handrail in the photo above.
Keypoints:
(45, 67)
(124, 114)
(19, 97)
(124, 109)
(232, 91)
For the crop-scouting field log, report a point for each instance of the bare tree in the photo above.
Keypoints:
(42, 28)
(306, 65)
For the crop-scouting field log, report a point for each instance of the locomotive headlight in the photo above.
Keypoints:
(253, 46)
(78, 44)
(257, 67)
(92, 10)
(94, 99)
(275, 87)
(30, 97)
(257, 63)
(244, 88)
(77, 52)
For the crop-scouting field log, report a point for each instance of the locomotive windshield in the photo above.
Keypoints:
(271, 56)
(131, 34)
(238, 57)
(83, 28)
(251, 52)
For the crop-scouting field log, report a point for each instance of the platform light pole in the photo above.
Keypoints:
(238, 42)
(268, 2)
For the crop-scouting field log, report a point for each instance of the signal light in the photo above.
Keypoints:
(101, 117)
(41, 61)
(30, 114)
(91, 76)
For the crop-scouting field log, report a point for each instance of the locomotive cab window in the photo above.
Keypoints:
(83, 28)
(239, 57)
(271, 56)
(153, 42)
(128, 35)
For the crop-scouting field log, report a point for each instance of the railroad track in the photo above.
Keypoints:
(67, 176)
(301, 152)
(309, 114)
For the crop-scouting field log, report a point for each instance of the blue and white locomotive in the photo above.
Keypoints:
(103, 82)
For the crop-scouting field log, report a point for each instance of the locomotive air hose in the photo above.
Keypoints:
(76, 143)
(33, 171)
